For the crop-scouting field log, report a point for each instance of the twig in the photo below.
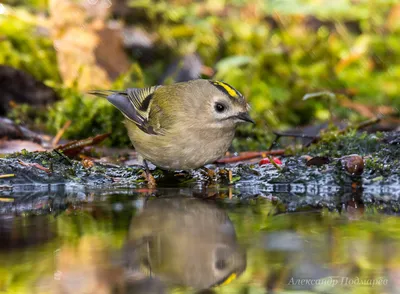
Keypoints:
(60, 133)
(363, 124)
(271, 160)
(63, 156)
(36, 165)
(250, 155)
(7, 176)
(295, 135)
(75, 147)
(357, 127)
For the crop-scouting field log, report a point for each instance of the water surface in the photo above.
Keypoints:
(68, 239)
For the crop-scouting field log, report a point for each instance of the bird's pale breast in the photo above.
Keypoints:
(181, 151)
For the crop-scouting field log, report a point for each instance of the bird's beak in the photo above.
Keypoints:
(245, 117)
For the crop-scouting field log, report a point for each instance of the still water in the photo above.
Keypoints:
(182, 241)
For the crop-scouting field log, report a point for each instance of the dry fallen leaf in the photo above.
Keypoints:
(73, 148)
(88, 52)
(11, 146)
(318, 161)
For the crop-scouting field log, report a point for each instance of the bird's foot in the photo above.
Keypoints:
(210, 173)
(151, 181)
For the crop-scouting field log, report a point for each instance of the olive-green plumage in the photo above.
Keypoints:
(184, 125)
(185, 241)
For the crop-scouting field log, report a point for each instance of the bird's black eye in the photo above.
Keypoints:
(219, 107)
(220, 264)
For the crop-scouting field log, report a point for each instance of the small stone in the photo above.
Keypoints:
(353, 164)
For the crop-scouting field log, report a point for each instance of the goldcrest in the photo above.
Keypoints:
(185, 241)
(184, 125)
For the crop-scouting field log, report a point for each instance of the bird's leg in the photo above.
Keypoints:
(210, 173)
(151, 182)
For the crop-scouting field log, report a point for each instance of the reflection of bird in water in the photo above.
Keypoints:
(185, 241)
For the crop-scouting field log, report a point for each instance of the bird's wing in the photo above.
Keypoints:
(134, 103)
(141, 99)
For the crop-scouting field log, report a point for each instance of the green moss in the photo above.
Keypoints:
(335, 144)
(32, 4)
(60, 170)
(274, 61)
(23, 46)
(380, 158)
(90, 116)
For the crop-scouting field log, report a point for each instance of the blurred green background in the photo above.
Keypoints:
(273, 51)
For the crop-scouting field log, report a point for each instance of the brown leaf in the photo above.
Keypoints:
(110, 54)
(88, 52)
(60, 133)
(73, 148)
(11, 146)
(318, 161)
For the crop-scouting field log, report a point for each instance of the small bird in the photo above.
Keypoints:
(181, 126)
(184, 241)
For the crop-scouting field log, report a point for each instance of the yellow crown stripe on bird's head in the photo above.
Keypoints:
(226, 281)
(232, 92)
(229, 279)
